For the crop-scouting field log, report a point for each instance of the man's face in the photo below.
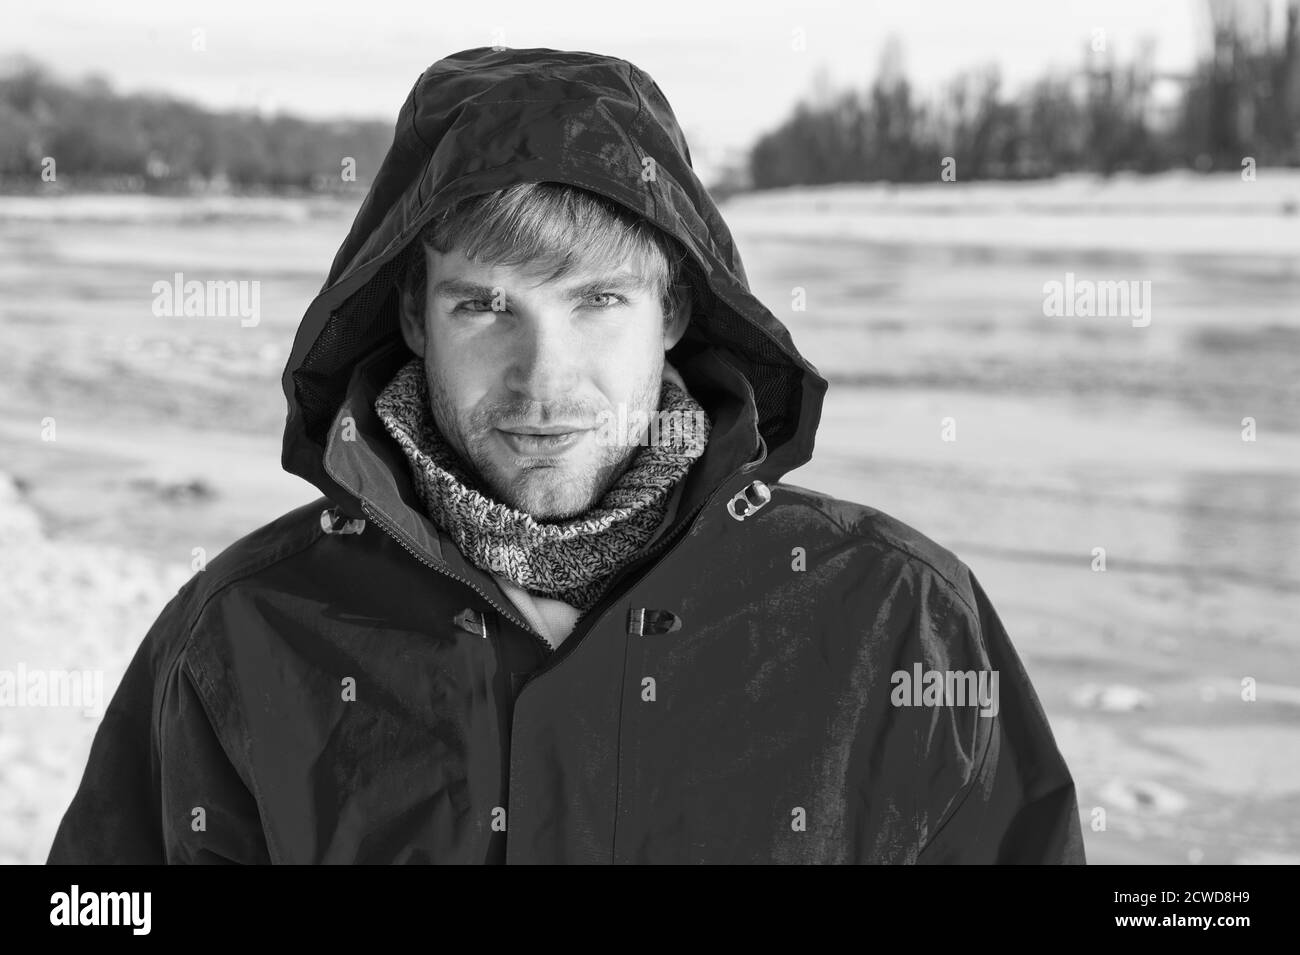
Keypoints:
(555, 356)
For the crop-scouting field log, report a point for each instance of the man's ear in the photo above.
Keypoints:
(411, 317)
(675, 324)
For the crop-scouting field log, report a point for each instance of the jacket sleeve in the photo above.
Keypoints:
(154, 760)
(1019, 805)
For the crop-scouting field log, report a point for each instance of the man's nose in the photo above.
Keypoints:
(543, 361)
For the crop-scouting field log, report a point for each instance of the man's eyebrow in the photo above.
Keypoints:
(459, 288)
(617, 282)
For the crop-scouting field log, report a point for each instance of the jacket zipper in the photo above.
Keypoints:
(414, 552)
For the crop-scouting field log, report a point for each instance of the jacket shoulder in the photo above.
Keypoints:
(877, 529)
(288, 535)
(156, 738)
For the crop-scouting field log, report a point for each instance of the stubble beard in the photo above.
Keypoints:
(548, 493)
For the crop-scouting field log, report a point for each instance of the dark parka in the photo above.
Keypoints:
(342, 686)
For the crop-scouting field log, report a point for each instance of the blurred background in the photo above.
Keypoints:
(905, 181)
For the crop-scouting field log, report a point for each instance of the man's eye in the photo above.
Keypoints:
(617, 299)
(600, 300)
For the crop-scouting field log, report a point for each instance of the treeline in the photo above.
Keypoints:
(98, 138)
(1241, 100)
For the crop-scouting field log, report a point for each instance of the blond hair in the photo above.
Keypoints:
(552, 228)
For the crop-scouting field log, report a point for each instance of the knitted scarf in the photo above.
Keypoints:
(569, 560)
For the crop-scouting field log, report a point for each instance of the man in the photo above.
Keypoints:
(528, 623)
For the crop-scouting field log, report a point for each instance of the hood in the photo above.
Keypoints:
(485, 118)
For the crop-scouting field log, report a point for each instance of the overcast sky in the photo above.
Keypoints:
(728, 67)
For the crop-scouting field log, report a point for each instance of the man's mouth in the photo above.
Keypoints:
(542, 442)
